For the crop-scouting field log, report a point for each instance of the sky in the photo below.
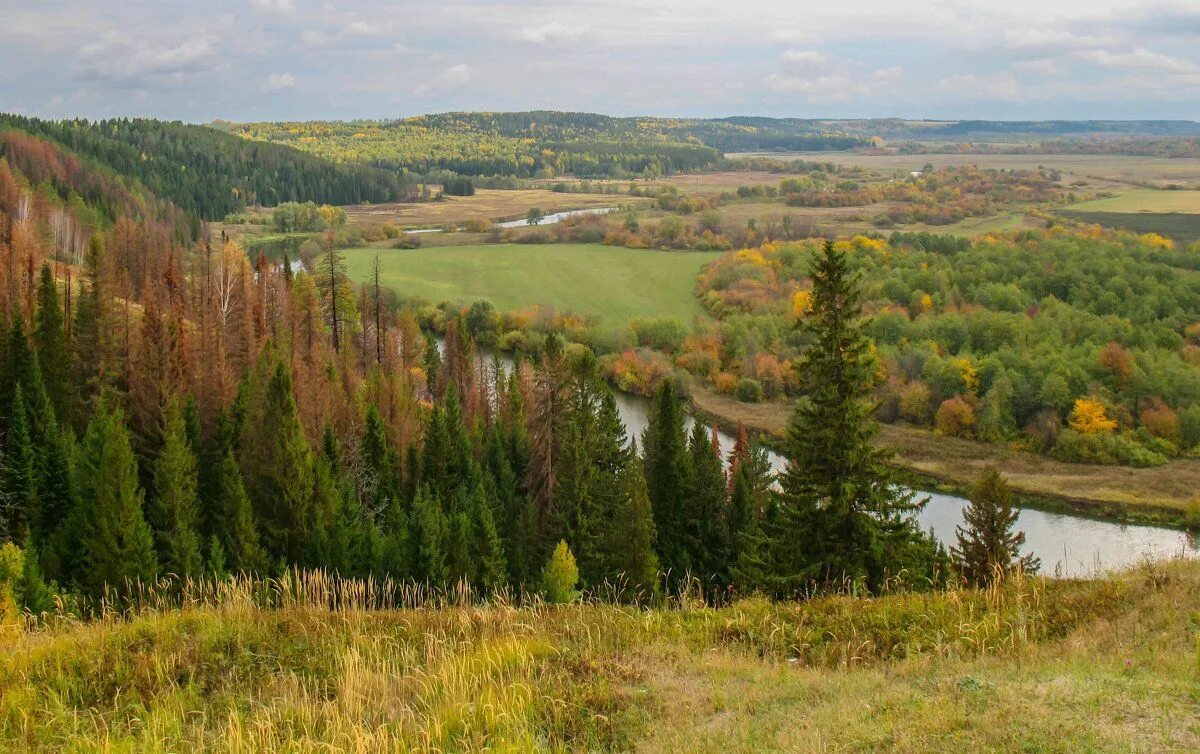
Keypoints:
(251, 60)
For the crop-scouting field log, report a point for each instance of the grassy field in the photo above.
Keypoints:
(1086, 167)
(1183, 228)
(1034, 665)
(612, 284)
(1164, 493)
(1143, 200)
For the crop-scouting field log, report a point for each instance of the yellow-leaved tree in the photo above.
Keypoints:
(1088, 417)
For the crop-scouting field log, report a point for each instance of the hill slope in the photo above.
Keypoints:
(1039, 666)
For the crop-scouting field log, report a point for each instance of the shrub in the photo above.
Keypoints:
(560, 577)
(749, 391)
(1108, 448)
(407, 241)
(915, 402)
(955, 418)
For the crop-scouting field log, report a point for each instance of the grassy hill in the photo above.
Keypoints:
(1038, 665)
(613, 284)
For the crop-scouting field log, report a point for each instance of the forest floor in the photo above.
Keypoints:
(1164, 494)
(1038, 665)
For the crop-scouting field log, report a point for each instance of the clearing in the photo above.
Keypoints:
(614, 285)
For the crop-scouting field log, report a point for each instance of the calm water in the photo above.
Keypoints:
(1068, 545)
(558, 217)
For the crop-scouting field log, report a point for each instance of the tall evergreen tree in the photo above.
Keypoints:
(232, 516)
(277, 469)
(989, 546)
(666, 469)
(841, 515)
(487, 550)
(50, 337)
(706, 524)
(18, 482)
(430, 537)
(629, 560)
(173, 510)
(116, 542)
(91, 338)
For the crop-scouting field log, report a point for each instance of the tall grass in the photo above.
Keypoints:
(314, 662)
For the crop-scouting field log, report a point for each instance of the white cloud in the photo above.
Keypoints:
(811, 74)
(277, 82)
(551, 34)
(1042, 66)
(997, 86)
(274, 6)
(805, 58)
(363, 29)
(449, 79)
(122, 57)
(1139, 59)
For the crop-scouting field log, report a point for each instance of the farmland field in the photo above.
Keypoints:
(615, 285)
(1103, 168)
(1143, 200)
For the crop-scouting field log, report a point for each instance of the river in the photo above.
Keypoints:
(1068, 545)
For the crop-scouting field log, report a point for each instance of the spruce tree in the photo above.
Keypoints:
(50, 338)
(989, 547)
(173, 509)
(18, 482)
(116, 542)
(233, 526)
(429, 538)
(706, 524)
(277, 469)
(629, 560)
(666, 469)
(841, 515)
(487, 550)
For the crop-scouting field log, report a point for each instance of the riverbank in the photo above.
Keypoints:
(1162, 495)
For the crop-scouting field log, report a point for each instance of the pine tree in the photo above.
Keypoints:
(173, 509)
(666, 468)
(487, 550)
(277, 469)
(429, 536)
(233, 526)
(841, 515)
(18, 482)
(706, 523)
(50, 338)
(90, 334)
(337, 297)
(116, 542)
(17, 368)
(629, 560)
(988, 546)
(460, 542)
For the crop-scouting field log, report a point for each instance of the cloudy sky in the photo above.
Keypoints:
(310, 59)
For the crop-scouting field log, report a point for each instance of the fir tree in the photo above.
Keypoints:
(488, 552)
(429, 537)
(989, 547)
(18, 482)
(277, 469)
(233, 526)
(841, 514)
(117, 543)
(706, 523)
(50, 338)
(173, 510)
(666, 469)
(629, 560)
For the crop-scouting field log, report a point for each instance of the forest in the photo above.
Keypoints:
(203, 171)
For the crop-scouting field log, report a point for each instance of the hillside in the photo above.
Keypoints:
(204, 171)
(1039, 665)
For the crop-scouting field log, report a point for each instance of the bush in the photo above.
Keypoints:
(915, 402)
(407, 241)
(955, 418)
(560, 577)
(1107, 448)
(749, 391)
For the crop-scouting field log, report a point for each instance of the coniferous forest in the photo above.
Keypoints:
(173, 409)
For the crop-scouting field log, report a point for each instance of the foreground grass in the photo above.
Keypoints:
(1164, 493)
(1036, 665)
(615, 285)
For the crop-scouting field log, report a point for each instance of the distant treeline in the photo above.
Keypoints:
(209, 173)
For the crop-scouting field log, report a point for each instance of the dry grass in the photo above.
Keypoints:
(1143, 200)
(317, 664)
(1166, 490)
